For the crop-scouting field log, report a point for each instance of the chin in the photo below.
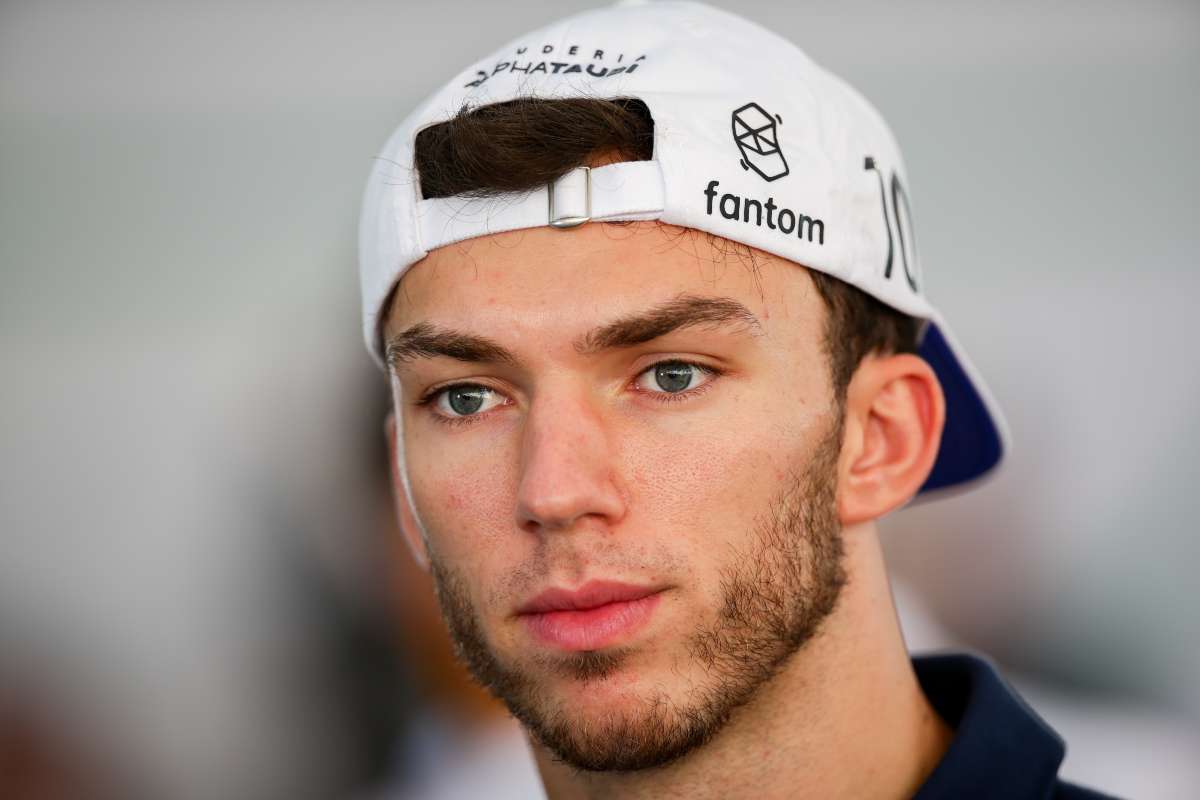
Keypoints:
(596, 685)
(612, 726)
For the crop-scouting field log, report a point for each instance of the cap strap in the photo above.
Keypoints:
(578, 198)
(629, 190)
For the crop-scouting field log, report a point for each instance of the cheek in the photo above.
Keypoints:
(692, 486)
(710, 484)
(463, 500)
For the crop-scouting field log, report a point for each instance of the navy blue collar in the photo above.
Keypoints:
(1001, 748)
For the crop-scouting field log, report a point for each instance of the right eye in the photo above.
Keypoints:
(461, 401)
(466, 400)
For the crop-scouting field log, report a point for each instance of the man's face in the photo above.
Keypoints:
(624, 546)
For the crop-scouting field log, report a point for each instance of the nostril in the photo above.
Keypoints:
(559, 503)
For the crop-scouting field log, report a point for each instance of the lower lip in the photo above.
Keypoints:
(593, 628)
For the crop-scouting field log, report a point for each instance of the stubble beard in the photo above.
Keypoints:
(774, 597)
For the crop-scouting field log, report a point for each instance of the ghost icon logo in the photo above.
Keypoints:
(756, 136)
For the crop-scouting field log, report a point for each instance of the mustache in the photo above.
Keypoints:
(573, 565)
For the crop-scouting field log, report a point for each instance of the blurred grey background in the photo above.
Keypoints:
(192, 524)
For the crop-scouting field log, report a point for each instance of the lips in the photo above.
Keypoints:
(597, 614)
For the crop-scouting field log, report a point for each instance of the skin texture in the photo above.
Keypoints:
(773, 663)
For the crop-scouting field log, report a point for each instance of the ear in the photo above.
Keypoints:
(895, 411)
(404, 512)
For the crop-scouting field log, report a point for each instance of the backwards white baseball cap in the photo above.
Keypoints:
(752, 142)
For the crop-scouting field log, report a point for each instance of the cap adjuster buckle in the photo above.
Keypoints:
(572, 220)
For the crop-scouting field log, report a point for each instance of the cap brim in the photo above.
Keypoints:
(975, 437)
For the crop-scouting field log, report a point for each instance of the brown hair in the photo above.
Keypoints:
(521, 144)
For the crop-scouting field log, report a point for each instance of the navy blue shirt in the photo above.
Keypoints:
(1001, 750)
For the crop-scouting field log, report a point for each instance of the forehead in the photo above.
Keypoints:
(554, 281)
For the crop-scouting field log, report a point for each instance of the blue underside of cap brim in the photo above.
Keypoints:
(971, 444)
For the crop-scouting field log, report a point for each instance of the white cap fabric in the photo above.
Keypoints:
(752, 141)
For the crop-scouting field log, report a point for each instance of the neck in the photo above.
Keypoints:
(845, 718)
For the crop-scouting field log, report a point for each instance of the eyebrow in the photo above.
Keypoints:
(427, 340)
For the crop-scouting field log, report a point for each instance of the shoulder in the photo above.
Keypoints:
(1001, 749)
(1065, 790)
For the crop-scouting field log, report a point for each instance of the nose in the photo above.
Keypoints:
(567, 466)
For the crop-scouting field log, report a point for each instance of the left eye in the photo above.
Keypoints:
(673, 377)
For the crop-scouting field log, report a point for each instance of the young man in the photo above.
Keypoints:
(645, 285)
